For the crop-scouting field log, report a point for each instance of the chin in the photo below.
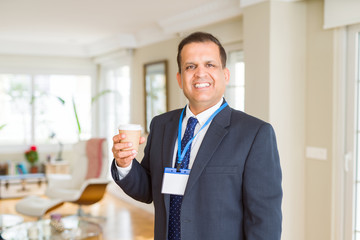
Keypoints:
(205, 103)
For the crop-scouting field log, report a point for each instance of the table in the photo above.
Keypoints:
(59, 167)
(16, 186)
(75, 228)
(9, 220)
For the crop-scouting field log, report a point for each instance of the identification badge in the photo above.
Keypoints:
(175, 182)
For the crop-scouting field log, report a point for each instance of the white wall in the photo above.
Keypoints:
(287, 108)
(289, 72)
(319, 122)
(46, 65)
(275, 51)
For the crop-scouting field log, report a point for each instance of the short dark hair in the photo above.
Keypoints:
(201, 37)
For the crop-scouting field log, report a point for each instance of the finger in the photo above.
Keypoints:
(122, 136)
(142, 140)
(125, 154)
(121, 146)
(116, 138)
(125, 157)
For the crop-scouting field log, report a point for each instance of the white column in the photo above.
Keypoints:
(274, 50)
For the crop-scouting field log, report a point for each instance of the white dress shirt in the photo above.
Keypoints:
(195, 145)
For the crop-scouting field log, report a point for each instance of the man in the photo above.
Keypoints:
(233, 190)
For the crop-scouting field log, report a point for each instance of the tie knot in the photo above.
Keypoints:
(192, 122)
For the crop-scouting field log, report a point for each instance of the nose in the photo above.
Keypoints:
(200, 71)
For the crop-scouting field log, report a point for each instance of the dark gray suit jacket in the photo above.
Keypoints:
(234, 188)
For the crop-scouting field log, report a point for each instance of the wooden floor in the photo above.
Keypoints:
(123, 220)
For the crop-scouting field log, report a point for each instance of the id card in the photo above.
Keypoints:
(175, 182)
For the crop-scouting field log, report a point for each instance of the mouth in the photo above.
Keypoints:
(202, 85)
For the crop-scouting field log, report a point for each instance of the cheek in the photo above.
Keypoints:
(186, 81)
(180, 84)
(220, 85)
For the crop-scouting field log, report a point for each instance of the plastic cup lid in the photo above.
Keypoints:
(132, 127)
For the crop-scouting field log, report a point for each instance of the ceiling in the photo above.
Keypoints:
(86, 28)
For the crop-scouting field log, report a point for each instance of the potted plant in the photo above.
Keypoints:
(32, 157)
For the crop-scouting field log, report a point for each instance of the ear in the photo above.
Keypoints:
(227, 75)
(178, 78)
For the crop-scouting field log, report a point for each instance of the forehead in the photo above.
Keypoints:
(200, 49)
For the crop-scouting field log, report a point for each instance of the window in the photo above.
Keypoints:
(357, 140)
(115, 105)
(235, 90)
(348, 165)
(37, 108)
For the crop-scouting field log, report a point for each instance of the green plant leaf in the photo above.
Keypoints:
(97, 96)
(2, 126)
(61, 100)
(32, 99)
(76, 116)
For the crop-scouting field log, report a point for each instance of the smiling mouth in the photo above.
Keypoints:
(202, 85)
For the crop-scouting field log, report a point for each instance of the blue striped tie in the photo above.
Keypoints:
(176, 200)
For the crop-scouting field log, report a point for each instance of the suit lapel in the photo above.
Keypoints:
(169, 138)
(213, 137)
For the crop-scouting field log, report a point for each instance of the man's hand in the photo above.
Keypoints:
(123, 158)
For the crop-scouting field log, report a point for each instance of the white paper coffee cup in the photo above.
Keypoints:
(132, 133)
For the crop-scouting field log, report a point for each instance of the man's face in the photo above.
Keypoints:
(202, 77)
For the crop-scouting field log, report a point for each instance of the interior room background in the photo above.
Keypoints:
(298, 63)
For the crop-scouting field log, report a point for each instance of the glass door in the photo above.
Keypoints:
(352, 138)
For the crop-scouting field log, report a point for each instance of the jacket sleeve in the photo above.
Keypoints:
(262, 191)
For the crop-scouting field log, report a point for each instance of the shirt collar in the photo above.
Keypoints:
(203, 116)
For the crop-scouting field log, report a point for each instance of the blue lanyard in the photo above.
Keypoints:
(182, 155)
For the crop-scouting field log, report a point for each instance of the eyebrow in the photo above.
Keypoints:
(206, 61)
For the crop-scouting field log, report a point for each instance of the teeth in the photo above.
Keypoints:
(202, 85)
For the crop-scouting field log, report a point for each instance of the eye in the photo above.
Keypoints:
(210, 65)
(190, 67)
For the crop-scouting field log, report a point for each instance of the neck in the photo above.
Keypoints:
(199, 109)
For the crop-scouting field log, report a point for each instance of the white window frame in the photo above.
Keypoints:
(105, 64)
(351, 149)
(345, 126)
(64, 67)
(236, 46)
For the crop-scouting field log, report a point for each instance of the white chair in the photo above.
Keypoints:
(36, 206)
(85, 185)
